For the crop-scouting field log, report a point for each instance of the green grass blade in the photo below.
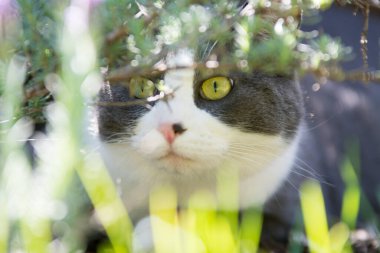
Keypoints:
(314, 214)
(4, 223)
(351, 196)
(250, 231)
(108, 207)
(164, 220)
(339, 236)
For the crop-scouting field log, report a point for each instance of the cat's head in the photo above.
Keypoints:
(249, 118)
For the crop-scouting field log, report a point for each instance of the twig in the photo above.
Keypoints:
(364, 76)
(340, 75)
(163, 95)
(116, 35)
(126, 73)
(364, 37)
(35, 92)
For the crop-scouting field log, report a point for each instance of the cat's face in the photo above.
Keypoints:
(244, 120)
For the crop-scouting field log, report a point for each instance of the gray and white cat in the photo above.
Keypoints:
(248, 122)
(253, 123)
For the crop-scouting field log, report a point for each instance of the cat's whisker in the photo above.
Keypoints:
(311, 172)
(255, 163)
(258, 148)
(250, 159)
(257, 151)
(312, 176)
(309, 169)
(238, 144)
(256, 156)
(287, 180)
(309, 175)
(319, 124)
(254, 152)
(120, 140)
(300, 168)
(307, 165)
(305, 176)
(208, 49)
(284, 130)
(117, 136)
(254, 149)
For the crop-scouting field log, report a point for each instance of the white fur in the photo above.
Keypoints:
(206, 148)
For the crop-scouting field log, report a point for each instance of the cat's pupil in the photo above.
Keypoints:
(215, 86)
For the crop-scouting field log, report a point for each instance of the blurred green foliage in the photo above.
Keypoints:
(133, 36)
(55, 48)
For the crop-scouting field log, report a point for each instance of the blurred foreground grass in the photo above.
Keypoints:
(43, 210)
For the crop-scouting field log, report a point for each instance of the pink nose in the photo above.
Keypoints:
(170, 131)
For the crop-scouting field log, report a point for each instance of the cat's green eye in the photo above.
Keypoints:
(140, 87)
(216, 87)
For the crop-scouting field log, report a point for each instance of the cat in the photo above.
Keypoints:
(188, 139)
(248, 124)
(272, 131)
